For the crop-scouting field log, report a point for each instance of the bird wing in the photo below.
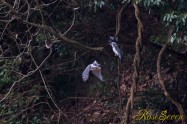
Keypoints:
(97, 73)
(85, 74)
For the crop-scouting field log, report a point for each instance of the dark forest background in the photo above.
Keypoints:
(46, 44)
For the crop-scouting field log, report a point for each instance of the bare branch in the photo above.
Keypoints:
(63, 38)
(25, 76)
(43, 80)
(71, 24)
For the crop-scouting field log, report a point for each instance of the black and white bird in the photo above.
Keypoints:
(113, 42)
(95, 69)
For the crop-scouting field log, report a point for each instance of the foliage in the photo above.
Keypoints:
(6, 71)
(172, 13)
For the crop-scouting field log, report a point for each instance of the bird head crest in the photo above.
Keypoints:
(96, 63)
(113, 39)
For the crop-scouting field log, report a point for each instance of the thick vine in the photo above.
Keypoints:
(166, 93)
(136, 63)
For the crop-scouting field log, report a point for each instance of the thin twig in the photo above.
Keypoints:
(44, 82)
(25, 76)
(71, 24)
(118, 85)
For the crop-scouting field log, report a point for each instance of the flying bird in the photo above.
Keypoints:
(113, 42)
(95, 69)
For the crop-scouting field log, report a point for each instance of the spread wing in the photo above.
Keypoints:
(85, 73)
(97, 73)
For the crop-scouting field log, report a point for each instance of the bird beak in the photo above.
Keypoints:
(99, 65)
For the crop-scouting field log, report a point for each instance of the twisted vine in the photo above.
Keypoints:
(136, 63)
(166, 93)
(118, 27)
